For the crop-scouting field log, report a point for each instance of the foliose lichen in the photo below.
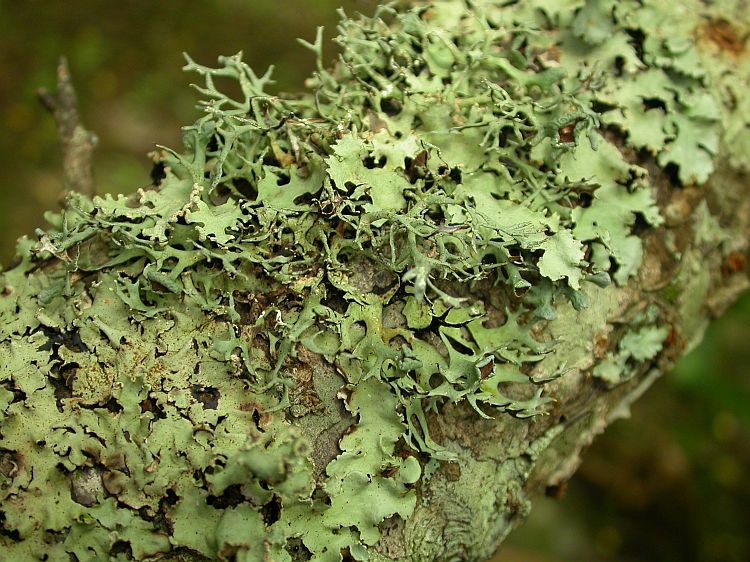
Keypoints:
(386, 241)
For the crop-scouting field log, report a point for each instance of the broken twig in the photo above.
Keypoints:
(78, 143)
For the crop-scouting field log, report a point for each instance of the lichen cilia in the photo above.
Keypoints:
(388, 238)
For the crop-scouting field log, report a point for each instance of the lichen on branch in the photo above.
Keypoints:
(241, 362)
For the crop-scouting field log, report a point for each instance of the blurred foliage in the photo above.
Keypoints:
(669, 484)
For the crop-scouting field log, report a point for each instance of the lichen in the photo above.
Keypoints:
(460, 174)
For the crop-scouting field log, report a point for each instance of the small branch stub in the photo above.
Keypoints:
(78, 143)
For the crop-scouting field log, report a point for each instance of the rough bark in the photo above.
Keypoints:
(163, 441)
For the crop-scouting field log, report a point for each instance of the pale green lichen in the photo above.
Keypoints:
(169, 357)
(638, 345)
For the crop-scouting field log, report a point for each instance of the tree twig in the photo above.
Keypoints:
(77, 143)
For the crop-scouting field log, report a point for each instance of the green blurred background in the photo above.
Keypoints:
(670, 484)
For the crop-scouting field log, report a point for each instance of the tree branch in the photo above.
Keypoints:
(77, 142)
